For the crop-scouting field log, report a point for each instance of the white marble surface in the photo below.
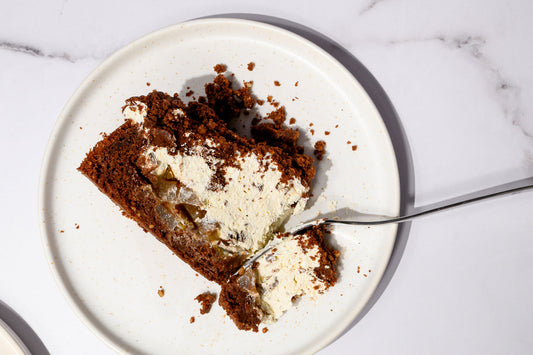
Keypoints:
(460, 75)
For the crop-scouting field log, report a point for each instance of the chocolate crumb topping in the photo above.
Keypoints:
(320, 150)
(220, 68)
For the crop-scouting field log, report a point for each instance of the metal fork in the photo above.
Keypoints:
(357, 218)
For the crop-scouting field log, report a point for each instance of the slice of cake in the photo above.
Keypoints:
(212, 196)
(297, 265)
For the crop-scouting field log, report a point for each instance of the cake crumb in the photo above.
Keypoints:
(192, 320)
(311, 124)
(77, 225)
(206, 299)
(349, 142)
(189, 93)
(277, 83)
(220, 68)
(265, 329)
(148, 84)
(260, 102)
(61, 231)
(296, 83)
(81, 127)
(354, 148)
(251, 66)
(312, 132)
(292, 120)
(327, 133)
(161, 291)
(358, 269)
(336, 126)
(320, 150)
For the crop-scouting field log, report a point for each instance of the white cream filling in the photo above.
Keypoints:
(252, 203)
(136, 112)
(286, 272)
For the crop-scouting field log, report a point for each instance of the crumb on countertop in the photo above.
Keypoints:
(192, 320)
(277, 83)
(161, 291)
(251, 66)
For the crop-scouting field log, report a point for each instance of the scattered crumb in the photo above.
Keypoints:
(277, 83)
(189, 93)
(312, 132)
(319, 149)
(147, 84)
(220, 68)
(161, 291)
(336, 126)
(327, 133)
(364, 275)
(311, 124)
(296, 83)
(358, 269)
(271, 100)
(206, 299)
(369, 270)
(188, 87)
(192, 320)
(354, 147)
(251, 66)
(260, 102)
(348, 142)
(265, 329)
(292, 120)
(61, 231)
(77, 225)
(81, 127)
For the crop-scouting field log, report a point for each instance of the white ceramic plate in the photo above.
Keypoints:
(10, 343)
(109, 270)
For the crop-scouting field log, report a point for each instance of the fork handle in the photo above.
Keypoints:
(496, 191)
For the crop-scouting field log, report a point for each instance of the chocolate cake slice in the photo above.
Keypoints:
(297, 265)
(214, 197)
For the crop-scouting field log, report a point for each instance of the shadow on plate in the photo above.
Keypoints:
(23, 330)
(392, 122)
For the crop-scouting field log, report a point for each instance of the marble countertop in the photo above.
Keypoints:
(460, 76)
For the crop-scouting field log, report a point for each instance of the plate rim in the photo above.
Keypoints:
(60, 281)
(13, 338)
